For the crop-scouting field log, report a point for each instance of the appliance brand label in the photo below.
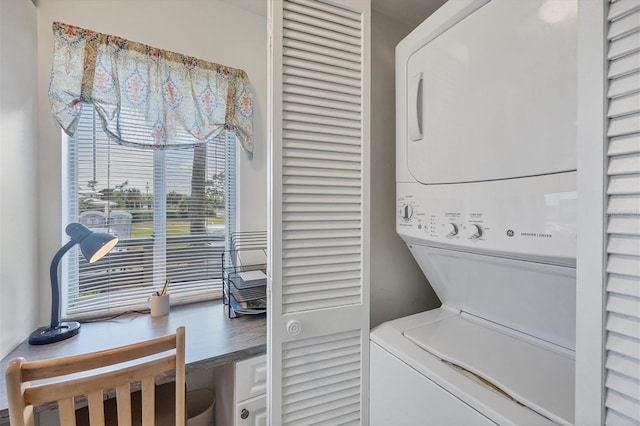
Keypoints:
(536, 235)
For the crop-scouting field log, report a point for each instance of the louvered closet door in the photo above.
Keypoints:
(318, 315)
(622, 381)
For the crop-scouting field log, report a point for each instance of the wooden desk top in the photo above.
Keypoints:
(211, 338)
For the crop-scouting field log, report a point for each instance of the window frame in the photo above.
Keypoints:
(71, 210)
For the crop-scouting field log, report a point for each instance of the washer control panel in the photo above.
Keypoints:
(451, 225)
(534, 220)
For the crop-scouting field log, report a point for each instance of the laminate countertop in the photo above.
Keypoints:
(212, 339)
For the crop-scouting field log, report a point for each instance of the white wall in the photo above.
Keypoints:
(214, 30)
(19, 289)
(398, 286)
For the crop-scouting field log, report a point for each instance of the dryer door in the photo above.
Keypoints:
(494, 96)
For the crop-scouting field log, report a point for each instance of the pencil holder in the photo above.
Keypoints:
(159, 305)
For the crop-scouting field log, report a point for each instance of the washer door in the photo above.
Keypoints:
(494, 96)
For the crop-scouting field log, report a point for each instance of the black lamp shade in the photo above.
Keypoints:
(94, 245)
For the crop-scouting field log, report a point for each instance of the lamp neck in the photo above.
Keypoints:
(55, 287)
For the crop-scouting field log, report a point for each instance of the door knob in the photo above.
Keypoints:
(294, 327)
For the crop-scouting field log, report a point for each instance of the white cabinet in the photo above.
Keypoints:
(250, 399)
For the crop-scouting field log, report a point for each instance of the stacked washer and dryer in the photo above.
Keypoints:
(486, 200)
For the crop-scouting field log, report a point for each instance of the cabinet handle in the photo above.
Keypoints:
(244, 413)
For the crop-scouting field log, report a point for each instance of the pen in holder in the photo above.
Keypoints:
(159, 301)
(159, 305)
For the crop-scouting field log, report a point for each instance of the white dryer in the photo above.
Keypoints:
(486, 202)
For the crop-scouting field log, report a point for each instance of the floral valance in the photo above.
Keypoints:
(147, 97)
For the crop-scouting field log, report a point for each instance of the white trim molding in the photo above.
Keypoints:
(589, 407)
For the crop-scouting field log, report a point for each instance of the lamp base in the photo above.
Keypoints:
(46, 335)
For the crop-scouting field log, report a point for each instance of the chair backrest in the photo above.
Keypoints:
(135, 363)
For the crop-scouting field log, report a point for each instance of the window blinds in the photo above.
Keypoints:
(622, 345)
(169, 208)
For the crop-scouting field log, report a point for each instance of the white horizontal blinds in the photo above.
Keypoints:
(623, 247)
(101, 189)
(115, 188)
(321, 380)
(196, 226)
(231, 185)
(322, 156)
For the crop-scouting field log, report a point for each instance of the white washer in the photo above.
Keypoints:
(486, 202)
(449, 366)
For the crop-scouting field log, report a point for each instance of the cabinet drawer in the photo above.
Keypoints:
(251, 378)
(254, 412)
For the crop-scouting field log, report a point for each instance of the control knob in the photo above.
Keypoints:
(451, 229)
(406, 211)
(474, 231)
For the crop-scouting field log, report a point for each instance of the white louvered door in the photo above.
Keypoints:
(622, 381)
(318, 314)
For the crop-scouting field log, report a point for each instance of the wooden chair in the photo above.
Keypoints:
(23, 395)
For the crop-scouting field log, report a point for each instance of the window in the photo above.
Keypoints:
(172, 210)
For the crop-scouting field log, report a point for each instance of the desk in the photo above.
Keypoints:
(212, 338)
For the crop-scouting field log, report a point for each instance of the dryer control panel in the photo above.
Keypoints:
(528, 218)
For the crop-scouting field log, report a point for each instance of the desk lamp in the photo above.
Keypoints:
(94, 246)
